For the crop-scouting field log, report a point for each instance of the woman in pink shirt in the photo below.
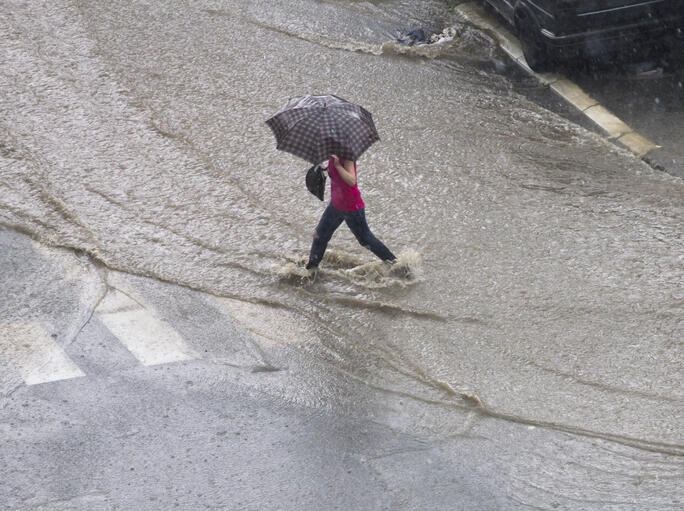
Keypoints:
(345, 204)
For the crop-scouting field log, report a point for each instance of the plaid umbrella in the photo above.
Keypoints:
(314, 127)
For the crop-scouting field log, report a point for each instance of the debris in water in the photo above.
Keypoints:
(416, 35)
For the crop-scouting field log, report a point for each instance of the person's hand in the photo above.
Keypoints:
(335, 158)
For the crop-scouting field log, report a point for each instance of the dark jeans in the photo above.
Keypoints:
(356, 221)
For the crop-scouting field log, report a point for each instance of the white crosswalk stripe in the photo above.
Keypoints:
(149, 339)
(34, 354)
(29, 351)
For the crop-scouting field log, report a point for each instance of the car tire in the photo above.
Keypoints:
(537, 53)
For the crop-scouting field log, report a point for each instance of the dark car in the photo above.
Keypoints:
(552, 30)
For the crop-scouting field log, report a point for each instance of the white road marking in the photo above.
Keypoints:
(34, 354)
(148, 338)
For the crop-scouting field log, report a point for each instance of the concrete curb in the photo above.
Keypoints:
(614, 128)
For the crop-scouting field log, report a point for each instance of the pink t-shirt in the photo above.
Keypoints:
(343, 196)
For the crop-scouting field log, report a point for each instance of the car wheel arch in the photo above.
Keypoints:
(522, 14)
(537, 54)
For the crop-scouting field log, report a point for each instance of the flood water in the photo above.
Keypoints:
(547, 264)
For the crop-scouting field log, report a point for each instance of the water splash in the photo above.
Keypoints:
(356, 269)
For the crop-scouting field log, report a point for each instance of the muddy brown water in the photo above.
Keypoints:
(547, 264)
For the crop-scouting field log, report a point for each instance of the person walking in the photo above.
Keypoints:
(345, 205)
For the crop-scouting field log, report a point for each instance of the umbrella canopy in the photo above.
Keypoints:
(314, 127)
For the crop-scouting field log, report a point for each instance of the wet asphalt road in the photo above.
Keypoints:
(221, 430)
(212, 432)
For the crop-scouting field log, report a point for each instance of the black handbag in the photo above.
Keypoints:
(315, 181)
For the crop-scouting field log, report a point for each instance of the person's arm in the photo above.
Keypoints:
(346, 172)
